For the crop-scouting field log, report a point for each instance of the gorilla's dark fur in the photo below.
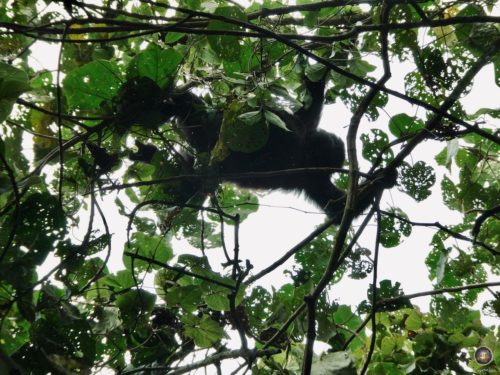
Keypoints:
(303, 146)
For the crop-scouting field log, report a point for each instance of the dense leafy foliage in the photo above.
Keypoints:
(89, 141)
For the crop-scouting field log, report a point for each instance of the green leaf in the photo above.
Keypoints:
(87, 87)
(402, 124)
(424, 344)
(387, 346)
(121, 280)
(155, 63)
(41, 223)
(476, 37)
(310, 18)
(344, 317)
(103, 53)
(414, 321)
(274, 119)
(374, 144)
(441, 157)
(456, 339)
(217, 300)
(472, 340)
(450, 194)
(493, 112)
(387, 290)
(251, 118)
(417, 180)
(385, 368)
(204, 331)
(496, 66)
(26, 307)
(194, 261)
(108, 319)
(173, 37)
(151, 247)
(60, 338)
(340, 363)
(13, 82)
(217, 297)
(484, 36)
(188, 297)
(361, 67)
(241, 136)
(227, 47)
(133, 303)
(79, 274)
(392, 228)
(234, 201)
(315, 72)
(21, 327)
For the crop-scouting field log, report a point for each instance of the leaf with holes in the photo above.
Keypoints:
(374, 144)
(417, 180)
(391, 229)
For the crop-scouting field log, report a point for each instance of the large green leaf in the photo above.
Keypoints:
(13, 82)
(227, 47)
(337, 363)
(402, 124)
(87, 87)
(134, 304)
(204, 331)
(151, 247)
(156, 63)
(244, 136)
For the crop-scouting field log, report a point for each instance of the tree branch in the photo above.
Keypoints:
(482, 218)
(440, 226)
(178, 269)
(434, 292)
(290, 252)
(348, 214)
(212, 360)
(373, 313)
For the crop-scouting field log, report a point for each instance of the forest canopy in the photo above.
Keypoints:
(104, 128)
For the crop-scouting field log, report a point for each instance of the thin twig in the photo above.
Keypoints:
(177, 269)
(434, 292)
(374, 296)
(60, 140)
(17, 208)
(211, 360)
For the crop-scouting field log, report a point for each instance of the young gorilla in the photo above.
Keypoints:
(303, 146)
